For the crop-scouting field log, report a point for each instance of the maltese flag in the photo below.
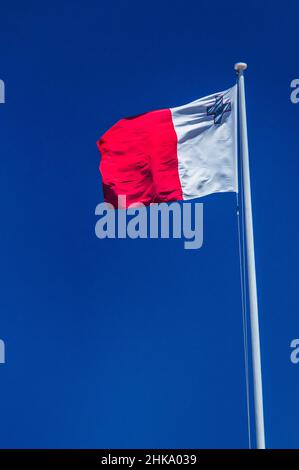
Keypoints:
(172, 154)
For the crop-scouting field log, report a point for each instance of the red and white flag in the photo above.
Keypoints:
(172, 154)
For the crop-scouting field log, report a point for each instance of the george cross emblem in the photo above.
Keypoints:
(218, 109)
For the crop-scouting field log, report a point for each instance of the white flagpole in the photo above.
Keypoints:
(254, 320)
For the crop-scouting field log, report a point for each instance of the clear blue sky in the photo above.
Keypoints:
(123, 343)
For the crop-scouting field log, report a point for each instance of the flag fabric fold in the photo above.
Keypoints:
(172, 154)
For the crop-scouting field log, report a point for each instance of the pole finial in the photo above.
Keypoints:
(240, 66)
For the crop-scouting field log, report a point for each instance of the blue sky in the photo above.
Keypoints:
(138, 343)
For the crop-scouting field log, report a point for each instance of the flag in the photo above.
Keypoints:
(172, 154)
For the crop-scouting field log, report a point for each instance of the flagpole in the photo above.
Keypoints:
(254, 320)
